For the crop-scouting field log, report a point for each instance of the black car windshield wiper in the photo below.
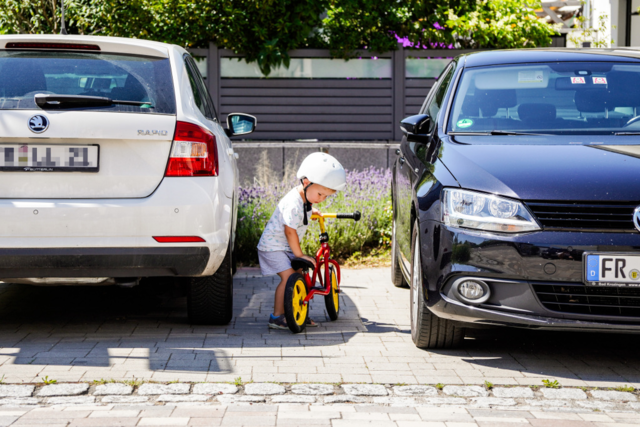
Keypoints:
(627, 133)
(499, 132)
(73, 101)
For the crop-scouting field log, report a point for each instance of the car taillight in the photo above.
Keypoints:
(194, 152)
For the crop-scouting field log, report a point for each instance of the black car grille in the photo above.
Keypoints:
(581, 299)
(583, 216)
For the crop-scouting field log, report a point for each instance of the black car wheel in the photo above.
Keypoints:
(397, 278)
(210, 298)
(427, 329)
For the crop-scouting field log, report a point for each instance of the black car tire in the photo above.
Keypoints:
(427, 329)
(210, 298)
(397, 278)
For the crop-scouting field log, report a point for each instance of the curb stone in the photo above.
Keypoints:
(570, 400)
(465, 391)
(312, 389)
(212, 388)
(63, 390)
(157, 389)
(564, 393)
(16, 390)
(613, 395)
(113, 389)
(415, 390)
(263, 389)
(365, 389)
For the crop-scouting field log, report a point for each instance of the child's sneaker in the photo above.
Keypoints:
(277, 322)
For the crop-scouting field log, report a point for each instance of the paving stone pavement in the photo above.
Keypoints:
(81, 334)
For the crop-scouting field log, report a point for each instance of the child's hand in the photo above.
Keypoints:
(310, 258)
(315, 211)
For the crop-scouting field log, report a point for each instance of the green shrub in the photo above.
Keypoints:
(367, 191)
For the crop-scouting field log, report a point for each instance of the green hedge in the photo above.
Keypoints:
(266, 30)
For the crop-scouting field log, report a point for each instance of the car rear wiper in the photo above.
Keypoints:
(627, 133)
(72, 101)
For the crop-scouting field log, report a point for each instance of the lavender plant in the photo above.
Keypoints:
(367, 191)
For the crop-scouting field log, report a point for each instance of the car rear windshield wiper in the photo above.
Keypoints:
(499, 132)
(627, 133)
(74, 101)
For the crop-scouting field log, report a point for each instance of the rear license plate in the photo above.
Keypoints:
(608, 269)
(49, 158)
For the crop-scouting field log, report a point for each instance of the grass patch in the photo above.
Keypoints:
(47, 381)
(626, 388)
(134, 382)
(488, 385)
(551, 383)
(439, 386)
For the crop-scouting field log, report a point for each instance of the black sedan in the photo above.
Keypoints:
(516, 195)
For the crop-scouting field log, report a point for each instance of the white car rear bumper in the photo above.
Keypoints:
(114, 237)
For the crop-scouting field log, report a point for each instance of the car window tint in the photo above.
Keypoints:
(436, 102)
(196, 79)
(120, 77)
(198, 96)
(562, 98)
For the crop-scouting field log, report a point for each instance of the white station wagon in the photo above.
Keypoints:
(114, 167)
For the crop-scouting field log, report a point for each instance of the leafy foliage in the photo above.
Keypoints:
(500, 24)
(266, 30)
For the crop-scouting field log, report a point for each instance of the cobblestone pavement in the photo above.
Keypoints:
(90, 333)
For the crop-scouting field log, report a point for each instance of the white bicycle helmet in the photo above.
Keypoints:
(321, 168)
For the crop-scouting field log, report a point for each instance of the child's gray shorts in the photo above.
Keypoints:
(274, 262)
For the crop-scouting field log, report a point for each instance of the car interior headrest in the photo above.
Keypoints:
(591, 100)
(20, 77)
(535, 112)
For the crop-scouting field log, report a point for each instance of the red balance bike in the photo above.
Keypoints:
(299, 290)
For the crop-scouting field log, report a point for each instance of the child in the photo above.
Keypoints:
(320, 176)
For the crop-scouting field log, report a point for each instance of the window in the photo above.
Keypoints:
(559, 98)
(120, 77)
(200, 93)
(436, 101)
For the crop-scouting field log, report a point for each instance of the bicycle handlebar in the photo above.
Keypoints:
(355, 216)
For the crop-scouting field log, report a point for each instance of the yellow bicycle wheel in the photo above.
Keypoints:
(295, 311)
(332, 300)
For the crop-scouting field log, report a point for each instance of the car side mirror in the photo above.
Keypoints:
(240, 124)
(416, 126)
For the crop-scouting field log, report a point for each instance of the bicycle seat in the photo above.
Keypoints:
(301, 263)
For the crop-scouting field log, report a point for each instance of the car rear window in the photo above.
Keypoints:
(558, 98)
(24, 74)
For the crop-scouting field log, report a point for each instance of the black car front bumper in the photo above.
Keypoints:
(103, 262)
(536, 279)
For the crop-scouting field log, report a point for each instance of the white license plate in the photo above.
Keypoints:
(49, 158)
(612, 270)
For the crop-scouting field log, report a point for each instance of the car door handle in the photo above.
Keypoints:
(397, 151)
(402, 160)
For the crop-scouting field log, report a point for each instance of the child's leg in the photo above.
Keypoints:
(278, 303)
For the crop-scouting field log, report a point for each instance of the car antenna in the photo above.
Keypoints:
(63, 29)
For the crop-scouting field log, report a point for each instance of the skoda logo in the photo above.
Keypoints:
(38, 124)
(636, 218)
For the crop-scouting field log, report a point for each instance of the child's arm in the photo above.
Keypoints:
(294, 243)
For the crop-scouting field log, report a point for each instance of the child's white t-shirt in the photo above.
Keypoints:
(289, 212)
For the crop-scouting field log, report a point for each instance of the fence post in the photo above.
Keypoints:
(398, 78)
(213, 75)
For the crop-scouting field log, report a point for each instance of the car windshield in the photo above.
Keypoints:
(24, 74)
(554, 98)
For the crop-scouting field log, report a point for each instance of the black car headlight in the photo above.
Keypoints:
(470, 209)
